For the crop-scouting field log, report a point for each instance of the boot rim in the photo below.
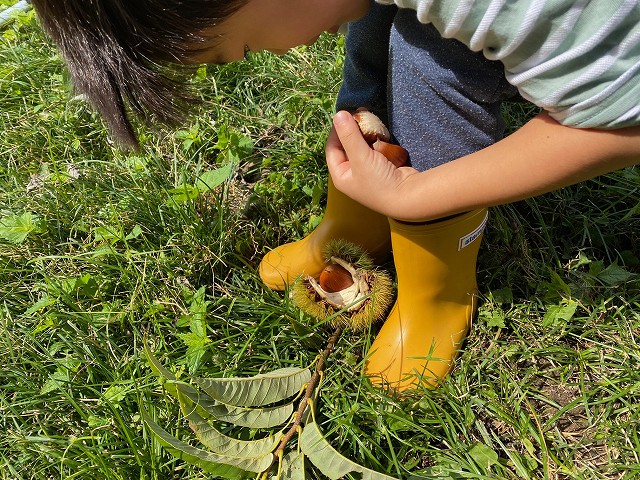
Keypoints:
(435, 226)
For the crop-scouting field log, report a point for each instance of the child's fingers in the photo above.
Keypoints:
(334, 147)
(337, 161)
(354, 145)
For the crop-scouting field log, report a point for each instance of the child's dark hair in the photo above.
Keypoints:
(123, 54)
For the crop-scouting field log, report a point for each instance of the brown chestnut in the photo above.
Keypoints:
(377, 136)
(335, 278)
(394, 153)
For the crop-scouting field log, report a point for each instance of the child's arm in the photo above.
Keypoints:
(542, 156)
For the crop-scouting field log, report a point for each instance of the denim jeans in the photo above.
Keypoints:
(439, 99)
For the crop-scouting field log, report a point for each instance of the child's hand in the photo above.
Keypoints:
(364, 174)
(541, 156)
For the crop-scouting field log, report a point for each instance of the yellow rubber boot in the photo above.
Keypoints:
(436, 272)
(343, 219)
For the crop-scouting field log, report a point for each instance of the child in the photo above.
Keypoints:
(437, 71)
(577, 60)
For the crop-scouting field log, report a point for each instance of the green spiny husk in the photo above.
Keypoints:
(371, 310)
(352, 253)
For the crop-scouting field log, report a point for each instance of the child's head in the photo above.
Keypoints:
(126, 53)
(117, 52)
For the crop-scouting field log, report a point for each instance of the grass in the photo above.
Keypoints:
(547, 385)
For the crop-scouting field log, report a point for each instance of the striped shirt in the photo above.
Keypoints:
(577, 59)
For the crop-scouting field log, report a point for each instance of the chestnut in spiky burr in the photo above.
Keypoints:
(348, 293)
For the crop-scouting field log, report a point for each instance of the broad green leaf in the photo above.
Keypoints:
(57, 379)
(219, 443)
(113, 395)
(16, 228)
(243, 417)
(221, 465)
(580, 261)
(292, 466)
(502, 295)
(559, 312)
(614, 275)
(44, 324)
(483, 455)
(328, 460)
(62, 376)
(212, 178)
(558, 285)
(182, 194)
(135, 233)
(260, 390)
(109, 234)
(197, 348)
(493, 316)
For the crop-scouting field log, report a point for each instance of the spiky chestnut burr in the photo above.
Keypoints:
(361, 296)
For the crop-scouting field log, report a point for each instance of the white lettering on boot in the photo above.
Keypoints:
(470, 237)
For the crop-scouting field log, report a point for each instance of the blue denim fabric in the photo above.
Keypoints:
(366, 63)
(442, 100)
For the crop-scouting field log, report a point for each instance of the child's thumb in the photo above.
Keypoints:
(354, 145)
